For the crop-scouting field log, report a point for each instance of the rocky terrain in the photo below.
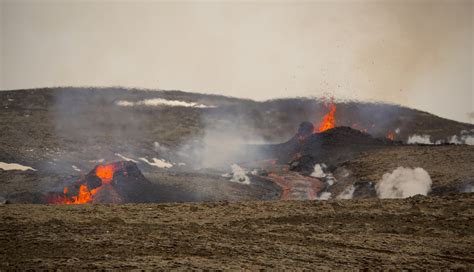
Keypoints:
(424, 233)
(64, 133)
(239, 166)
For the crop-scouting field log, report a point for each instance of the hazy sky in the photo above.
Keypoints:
(414, 53)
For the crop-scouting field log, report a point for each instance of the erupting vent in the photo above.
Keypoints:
(117, 182)
(105, 172)
(329, 121)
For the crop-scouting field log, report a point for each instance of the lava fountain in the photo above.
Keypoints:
(329, 121)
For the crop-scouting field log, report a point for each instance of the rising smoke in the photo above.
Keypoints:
(465, 137)
(224, 142)
(404, 182)
(239, 174)
(318, 171)
(419, 139)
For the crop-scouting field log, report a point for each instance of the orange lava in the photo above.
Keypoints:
(390, 135)
(105, 173)
(84, 195)
(329, 121)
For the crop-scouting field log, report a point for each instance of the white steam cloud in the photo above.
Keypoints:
(404, 182)
(221, 145)
(463, 139)
(239, 174)
(218, 146)
(318, 171)
(419, 139)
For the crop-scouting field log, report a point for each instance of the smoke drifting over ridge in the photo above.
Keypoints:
(223, 143)
(415, 53)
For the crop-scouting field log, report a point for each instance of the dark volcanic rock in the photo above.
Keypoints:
(344, 136)
(126, 185)
(331, 147)
(129, 182)
(305, 129)
(25, 198)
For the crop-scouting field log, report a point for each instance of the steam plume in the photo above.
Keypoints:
(404, 182)
(419, 139)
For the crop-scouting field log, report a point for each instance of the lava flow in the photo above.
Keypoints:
(85, 195)
(295, 186)
(329, 121)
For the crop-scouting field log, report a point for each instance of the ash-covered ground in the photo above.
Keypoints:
(171, 146)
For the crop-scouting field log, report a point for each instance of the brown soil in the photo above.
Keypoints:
(413, 233)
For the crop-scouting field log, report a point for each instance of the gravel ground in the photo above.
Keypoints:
(414, 233)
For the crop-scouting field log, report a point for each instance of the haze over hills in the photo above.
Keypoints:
(99, 122)
(415, 53)
(240, 135)
(53, 129)
(173, 146)
(97, 112)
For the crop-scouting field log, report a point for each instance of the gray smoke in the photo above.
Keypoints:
(224, 143)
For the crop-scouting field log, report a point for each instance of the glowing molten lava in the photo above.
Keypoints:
(105, 173)
(329, 121)
(84, 194)
(390, 135)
